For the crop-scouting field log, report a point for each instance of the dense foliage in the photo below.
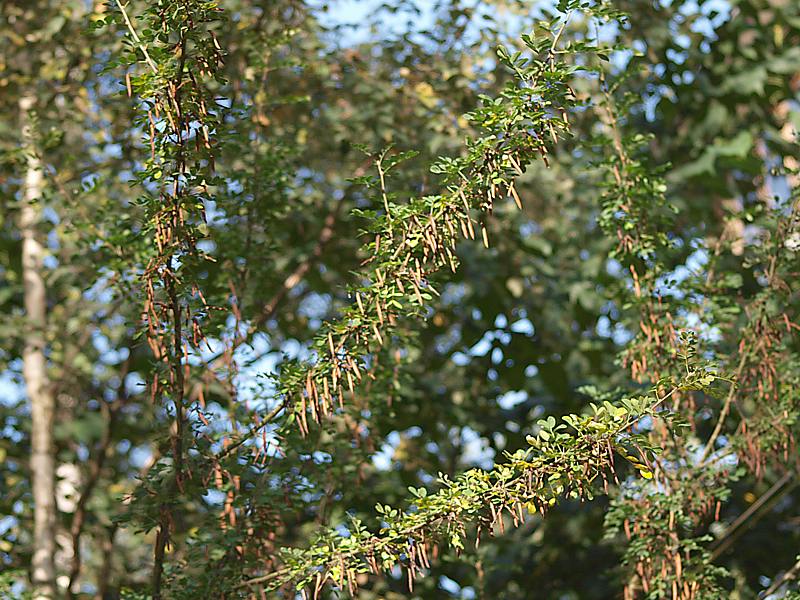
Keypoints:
(465, 299)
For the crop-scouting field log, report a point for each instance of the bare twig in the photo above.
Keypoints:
(724, 542)
(786, 577)
(136, 38)
(292, 281)
(79, 516)
(726, 407)
(266, 420)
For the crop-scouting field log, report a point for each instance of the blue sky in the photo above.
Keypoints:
(359, 13)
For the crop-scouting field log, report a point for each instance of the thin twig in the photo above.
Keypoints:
(291, 281)
(136, 38)
(266, 420)
(724, 542)
(79, 516)
(787, 576)
(726, 407)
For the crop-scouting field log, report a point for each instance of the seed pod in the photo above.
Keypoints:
(513, 192)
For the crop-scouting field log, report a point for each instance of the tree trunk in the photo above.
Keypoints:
(40, 395)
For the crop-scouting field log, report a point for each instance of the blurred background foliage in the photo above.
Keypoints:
(519, 329)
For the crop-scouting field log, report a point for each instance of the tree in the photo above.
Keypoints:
(37, 383)
(308, 305)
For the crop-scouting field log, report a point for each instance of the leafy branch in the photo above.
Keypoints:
(183, 129)
(563, 460)
(413, 240)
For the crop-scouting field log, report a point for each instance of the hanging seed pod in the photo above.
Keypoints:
(424, 554)
(418, 295)
(515, 164)
(373, 565)
(470, 229)
(325, 390)
(553, 135)
(464, 201)
(302, 420)
(335, 375)
(314, 413)
(330, 344)
(355, 369)
(513, 193)
(464, 230)
(452, 261)
(449, 225)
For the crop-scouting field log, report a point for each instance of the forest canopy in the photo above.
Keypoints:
(397, 300)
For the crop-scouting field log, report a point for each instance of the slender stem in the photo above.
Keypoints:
(786, 577)
(177, 309)
(95, 470)
(382, 176)
(136, 38)
(724, 542)
(267, 419)
(726, 407)
(558, 34)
